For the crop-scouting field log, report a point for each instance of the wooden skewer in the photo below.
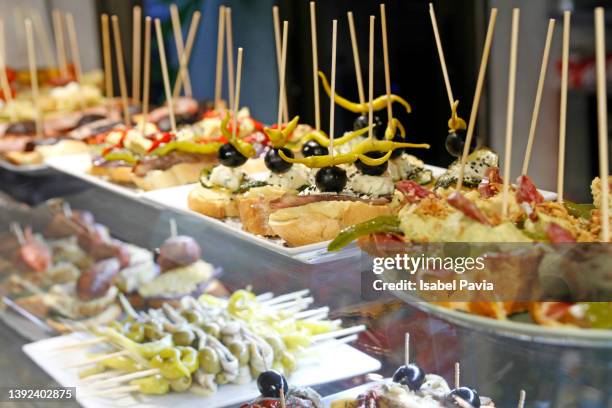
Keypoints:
(166, 77)
(74, 47)
(230, 56)
(97, 359)
(332, 104)
(84, 343)
(123, 378)
(338, 333)
(522, 396)
(476, 102)
(136, 38)
(237, 95)
(100, 376)
(434, 24)
(121, 71)
(6, 88)
(538, 98)
(33, 77)
(289, 304)
(285, 297)
(457, 374)
(407, 349)
(563, 108)
(18, 232)
(510, 110)
(113, 392)
(360, 91)
(219, 67)
(371, 80)
(277, 42)
(315, 65)
(58, 31)
(184, 62)
(383, 21)
(282, 397)
(47, 48)
(173, 228)
(180, 48)
(600, 58)
(146, 74)
(282, 73)
(106, 55)
(310, 313)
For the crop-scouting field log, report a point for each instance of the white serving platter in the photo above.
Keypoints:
(346, 394)
(323, 364)
(78, 165)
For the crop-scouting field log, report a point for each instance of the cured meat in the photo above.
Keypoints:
(491, 183)
(288, 200)
(557, 234)
(166, 161)
(468, 208)
(182, 107)
(527, 191)
(413, 192)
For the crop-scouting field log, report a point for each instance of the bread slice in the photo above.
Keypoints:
(254, 209)
(116, 174)
(217, 203)
(321, 221)
(177, 175)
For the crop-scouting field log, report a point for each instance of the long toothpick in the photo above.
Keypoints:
(146, 74)
(33, 76)
(180, 49)
(44, 38)
(136, 33)
(351, 21)
(121, 71)
(563, 108)
(407, 349)
(457, 375)
(219, 67)
(510, 110)
(106, 55)
(282, 397)
(315, 66)
(383, 21)
(371, 80)
(74, 47)
(237, 95)
(434, 24)
(538, 98)
(476, 102)
(332, 104)
(230, 55)
(282, 73)
(522, 396)
(277, 42)
(166, 77)
(6, 88)
(60, 46)
(602, 120)
(184, 62)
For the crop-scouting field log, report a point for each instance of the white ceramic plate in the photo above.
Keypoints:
(323, 364)
(78, 165)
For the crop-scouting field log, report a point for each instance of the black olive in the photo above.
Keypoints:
(270, 383)
(229, 156)
(312, 148)
(397, 138)
(379, 125)
(25, 127)
(331, 179)
(469, 395)
(455, 141)
(275, 163)
(372, 170)
(89, 118)
(410, 375)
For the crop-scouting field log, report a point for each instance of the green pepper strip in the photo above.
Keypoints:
(321, 138)
(579, 210)
(155, 384)
(246, 149)
(169, 363)
(377, 104)
(189, 357)
(121, 156)
(187, 147)
(385, 223)
(146, 350)
(279, 137)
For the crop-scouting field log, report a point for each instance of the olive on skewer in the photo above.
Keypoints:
(275, 163)
(331, 179)
(230, 156)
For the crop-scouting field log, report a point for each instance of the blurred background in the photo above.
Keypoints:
(415, 69)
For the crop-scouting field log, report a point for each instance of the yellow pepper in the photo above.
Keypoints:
(246, 149)
(321, 138)
(455, 122)
(377, 104)
(169, 363)
(393, 125)
(279, 137)
(189, 357)
(155, 384)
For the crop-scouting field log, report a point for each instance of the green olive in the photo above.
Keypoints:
(209, 361)
(152, 332)
(221, 379)
(182, 384)
(183, 337)
(192, 316)
(212, 329)
(240, 351)
(136, 332)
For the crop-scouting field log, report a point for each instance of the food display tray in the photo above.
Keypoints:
(322, 364)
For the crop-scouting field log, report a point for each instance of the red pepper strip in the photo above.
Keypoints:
(413, 192)
(258, 125)
(118, 145)
(165, 138)
(527, 191)
(468, 208)
(489, 186)
(557, 234)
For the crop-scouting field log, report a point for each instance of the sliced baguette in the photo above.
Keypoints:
(217, 203)
(177, 175)
(254, 209)
(321, 221)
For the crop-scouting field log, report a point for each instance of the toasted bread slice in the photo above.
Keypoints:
(254, 209)
(217, 203)
(177, 175)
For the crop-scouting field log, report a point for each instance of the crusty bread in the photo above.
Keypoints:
(116, 174)
(24, 158)
(177, 175)
(63, 148)
(321, 221)
(254, 209)
(217, 203)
